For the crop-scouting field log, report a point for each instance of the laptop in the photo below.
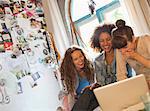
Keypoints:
(121, 95)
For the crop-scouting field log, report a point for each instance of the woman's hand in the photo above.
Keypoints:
(130, 54)
(91, 87)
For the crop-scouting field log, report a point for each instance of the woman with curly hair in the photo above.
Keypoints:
(77, 72)
(105, 63)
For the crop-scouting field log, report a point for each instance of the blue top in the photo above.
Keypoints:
(83, 82)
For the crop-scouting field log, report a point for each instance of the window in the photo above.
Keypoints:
(86, 29)
(106, 11)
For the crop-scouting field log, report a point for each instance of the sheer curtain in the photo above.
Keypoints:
(139, 15)
(145, 5)
(55, 25)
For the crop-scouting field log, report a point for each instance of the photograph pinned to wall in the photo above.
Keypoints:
(35, 23)
(20, 90)
(17, 51)
(39, 8)
(32, 82)
(2, 13)
(35, 76)
(6, 37)
(19, 39)
(30, 9)
(8, 12)
(8, 45)
(18, 31)
(2, 49)
(33, 79)
(16, 8)
(4, 28)
(19, 74)
(31, 57)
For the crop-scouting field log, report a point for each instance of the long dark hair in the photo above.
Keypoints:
(69, 72)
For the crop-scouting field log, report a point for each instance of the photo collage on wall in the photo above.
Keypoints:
(25, 42)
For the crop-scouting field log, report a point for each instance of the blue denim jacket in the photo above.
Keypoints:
(106, 74)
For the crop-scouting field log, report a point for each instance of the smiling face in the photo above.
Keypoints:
(78, 59)
(105, 42)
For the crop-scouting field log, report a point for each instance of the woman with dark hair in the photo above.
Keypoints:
(77, 72)
(135, 50)
(105, 63)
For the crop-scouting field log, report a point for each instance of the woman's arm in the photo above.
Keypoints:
(141, 59)
(121, 69)
(143, 44)
(136, 56)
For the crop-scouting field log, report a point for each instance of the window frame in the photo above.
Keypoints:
(99, 14)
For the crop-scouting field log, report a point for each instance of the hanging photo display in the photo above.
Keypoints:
(25, 42)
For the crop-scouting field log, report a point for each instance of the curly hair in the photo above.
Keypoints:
(69, 72)
(106, 28)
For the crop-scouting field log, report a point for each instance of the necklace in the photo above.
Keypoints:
(109, 57)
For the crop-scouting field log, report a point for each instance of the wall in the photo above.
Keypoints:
(42, 97)
(27, 75)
